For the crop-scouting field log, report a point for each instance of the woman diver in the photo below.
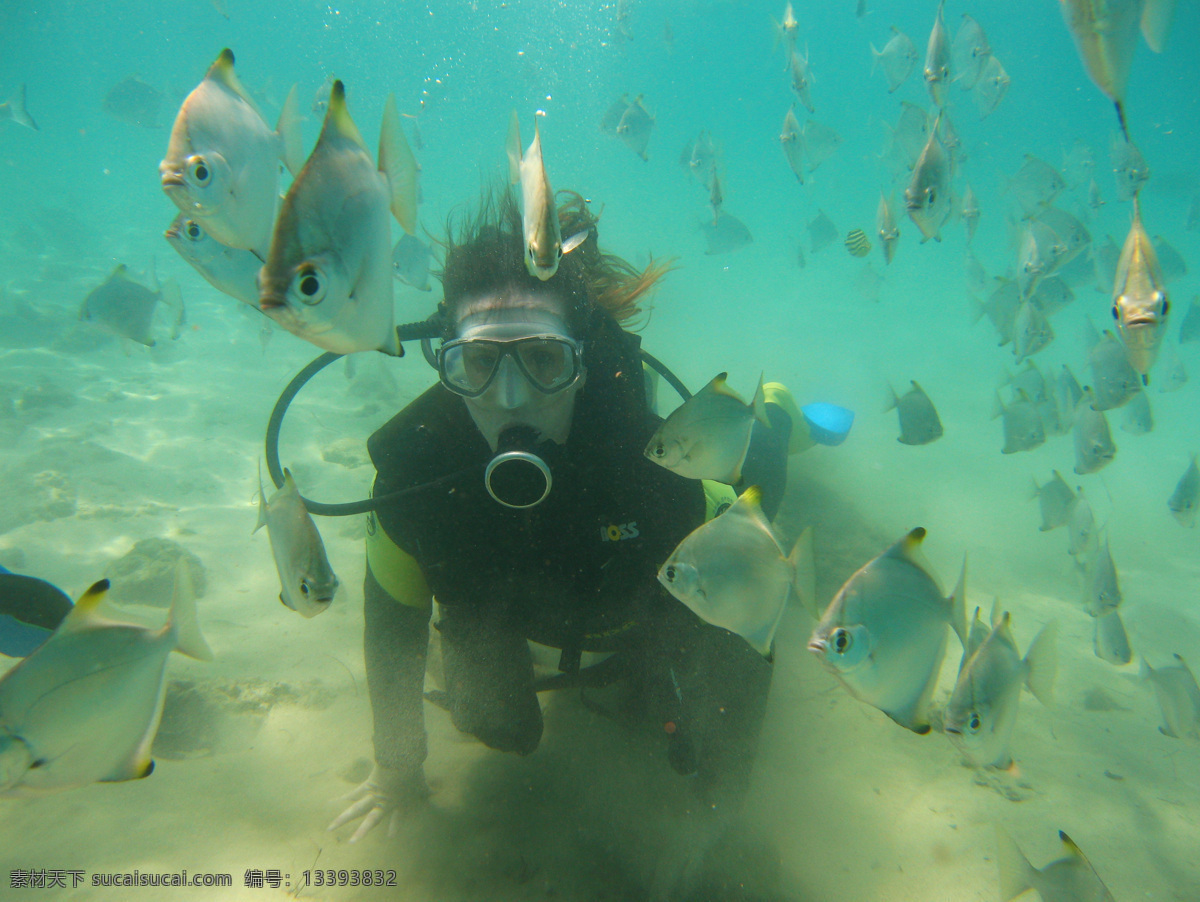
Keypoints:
(540, 378)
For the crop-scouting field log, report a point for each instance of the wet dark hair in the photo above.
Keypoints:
(485, 252)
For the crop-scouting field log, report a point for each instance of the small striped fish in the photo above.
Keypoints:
(857, 243)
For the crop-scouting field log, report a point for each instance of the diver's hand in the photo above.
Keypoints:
(386, 792)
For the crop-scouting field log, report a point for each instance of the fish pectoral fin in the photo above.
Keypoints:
(137, 769)
(574, 241)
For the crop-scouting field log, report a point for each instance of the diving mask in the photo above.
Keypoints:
(551, 363)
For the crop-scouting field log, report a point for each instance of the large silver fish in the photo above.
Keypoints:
(919, 421)
(927, 197)
(126, 308)
(1140, 304)
(1185, 499)
(635, 127)
(1055, 501)
(328, 276)
(884, 633)
(708, 435)
(544, 245)
(970, 52)
(231, 270)
(983, 706)
(308, 582)
(1023, 428)
(937, 59)
(732, 573)
(84, 707)
(991, 87)
(1178, 698)
(1069, 879)
(725, 233)
(222, 163)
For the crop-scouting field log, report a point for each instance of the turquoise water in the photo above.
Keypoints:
(106, 445)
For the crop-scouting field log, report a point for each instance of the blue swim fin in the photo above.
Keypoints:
(828, 424)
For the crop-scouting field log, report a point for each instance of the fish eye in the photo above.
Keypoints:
(192, 229)
(304, 590)
(310, 285)
(932, 195)
(1166, 305)
(975, 722)
(658, 450)
(1116, 312)
(841, 641)
(669, 572)
(199, 172)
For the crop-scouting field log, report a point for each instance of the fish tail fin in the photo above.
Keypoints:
(893, 399)
(512, 146)
(182, 620)
(396, 161)
(262, 503)
(804, 572)
(758, 404)
(289, 132)
(958, 606)
(17, 111)
(876, 56)
(1042, 660)
(1016, 873)
(997, 407)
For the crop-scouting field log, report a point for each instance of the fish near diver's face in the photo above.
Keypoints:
(542, 254)
(1141, 321)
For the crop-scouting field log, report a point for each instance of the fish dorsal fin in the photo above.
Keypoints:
(222, 72)
(397, 163)
(908, 547)
(337, 118)
(719, 386)
(86, 611)
(1072, 850)
(289, 483)
(749, 503)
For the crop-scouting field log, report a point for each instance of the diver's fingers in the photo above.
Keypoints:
(374, 816)
(358, 809)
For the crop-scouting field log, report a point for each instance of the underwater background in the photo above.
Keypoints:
(103, 446)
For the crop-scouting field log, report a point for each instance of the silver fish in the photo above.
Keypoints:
(1095, 198)
(919, 422)
(1102, 601)
(1052, 295)
(1031, 331)
(991, 87)
(134, 102)
(886, 229)
(1170, 262)
(1111, 641)
(708, 435)
(787, 29)
(544, 245)
(732, 573)
(1069, 879)
(308, 582)
(1023, 429)
(801, 78)
(222, 163)
(1037, 255)
(911, 133)
(937, 59)
(792, 140)
(1072, 236)
(1140, 303)
(884, 634)
(1036, 185)
(1189, 329)
(634, 128)
(1178, 698)
(698, 157)
(410, 262)
(1094, 448)
(1055, 500)
(970, 212)
(1030, 381)
(896, 59)
(1081, 527)
(969, 53)
(14, 109)
(612, 116)
(1137, 416)
(724, 234)
(821, 231)
(1001, 308)
(126, 308)
(328, 277)
(1130, 168)
(982, 711)
(927, 197)
(820, 141)
(231, 270)
(85, 705)
(1185, 500)
(1114, 380)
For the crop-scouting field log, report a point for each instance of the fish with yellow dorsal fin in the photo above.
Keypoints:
(84, 707)
(731, 572)
(708, 435)
(1069, 879)
(222, 163)
(884, 634)
(328, 276)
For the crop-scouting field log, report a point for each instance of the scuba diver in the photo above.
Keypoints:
(530, 512)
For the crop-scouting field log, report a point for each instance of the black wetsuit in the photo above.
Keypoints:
(577, 572)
